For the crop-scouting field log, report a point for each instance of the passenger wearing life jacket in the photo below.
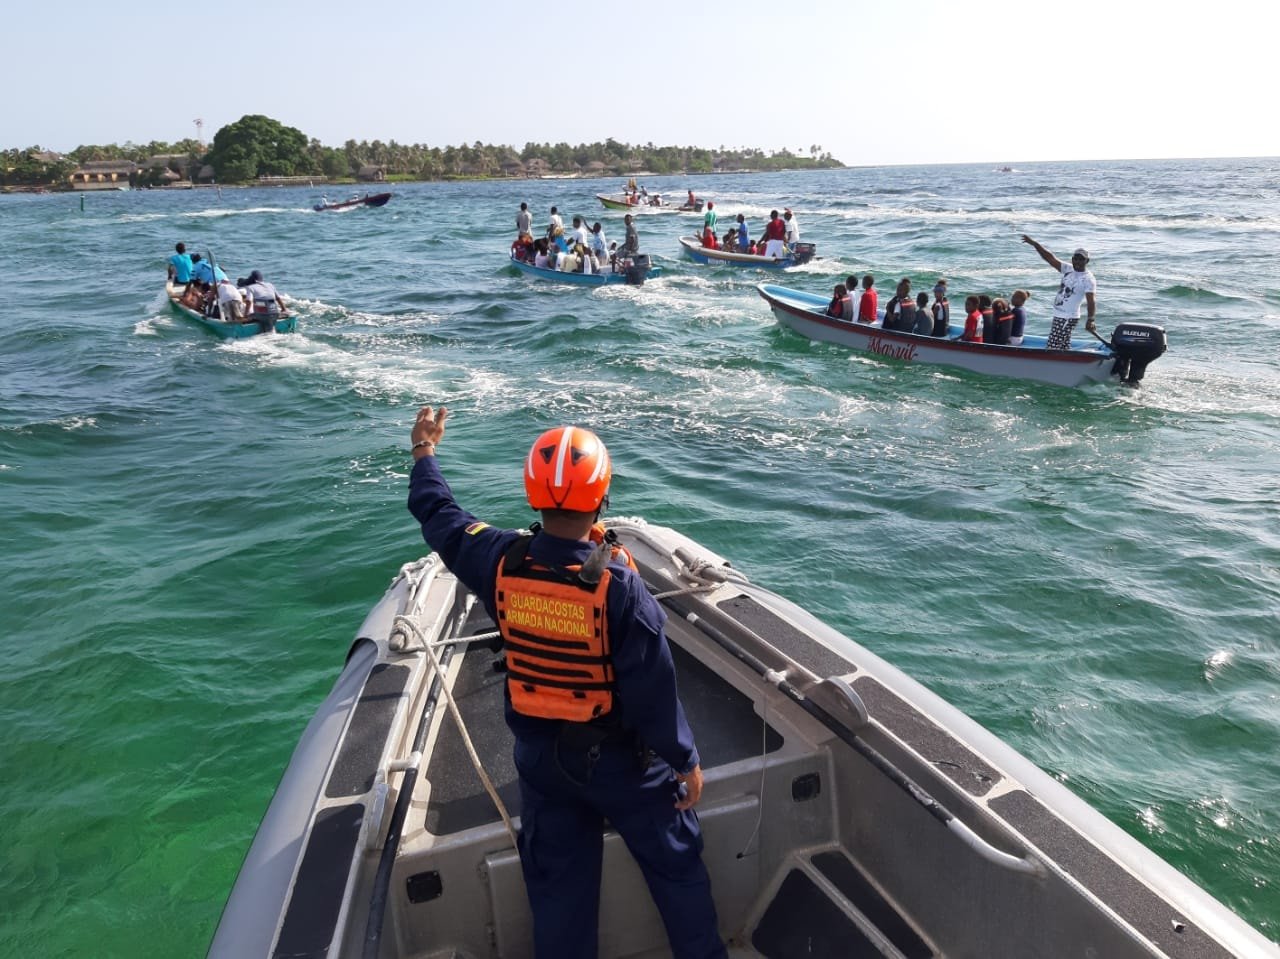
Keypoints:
(941, 309)
(600, 733)
(900, 311)
(840, 307)
(988, 318)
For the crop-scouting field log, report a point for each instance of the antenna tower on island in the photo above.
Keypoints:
(199, 132)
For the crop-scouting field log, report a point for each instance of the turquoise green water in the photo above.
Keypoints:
(193, 529)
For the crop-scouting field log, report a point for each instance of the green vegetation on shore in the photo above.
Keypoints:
(256, 146)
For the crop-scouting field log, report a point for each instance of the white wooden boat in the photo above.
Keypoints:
(694, 250)
(1088, 361)
(632, 270)
(847, 810)
(641, 203)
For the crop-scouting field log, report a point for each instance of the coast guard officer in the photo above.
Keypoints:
(600, 732)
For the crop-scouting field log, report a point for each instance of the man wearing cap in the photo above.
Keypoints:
(1078, 286)
(263, 298)
(792, 235)
(230, 302)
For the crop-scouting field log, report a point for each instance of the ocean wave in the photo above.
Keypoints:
(1198, 294)
(218, 212)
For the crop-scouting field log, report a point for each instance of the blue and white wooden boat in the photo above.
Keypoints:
(1088, 361)
(229, 331)
(847, 810)
(635, 274)
(695, 251)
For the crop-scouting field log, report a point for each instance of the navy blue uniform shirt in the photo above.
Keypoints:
(645, 699)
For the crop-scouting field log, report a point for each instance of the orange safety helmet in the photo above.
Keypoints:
(567, 468)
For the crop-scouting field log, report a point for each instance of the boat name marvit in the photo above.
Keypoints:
(897, 351)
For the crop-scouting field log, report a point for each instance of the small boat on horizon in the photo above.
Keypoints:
(694, 250)
(368, 199)
(1132, 346)
(847, 809)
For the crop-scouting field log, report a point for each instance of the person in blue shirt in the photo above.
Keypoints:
(744, 235)
(202, 272)
(180, 266)
(631, 759)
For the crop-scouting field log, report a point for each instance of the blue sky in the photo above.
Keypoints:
(873, 82)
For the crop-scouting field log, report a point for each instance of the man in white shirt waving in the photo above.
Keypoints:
(1078, 286)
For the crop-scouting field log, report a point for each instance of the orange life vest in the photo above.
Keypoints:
(556, 636)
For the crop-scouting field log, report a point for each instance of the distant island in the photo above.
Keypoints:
(257, 149)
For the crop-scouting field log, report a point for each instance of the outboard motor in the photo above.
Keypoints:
(638, 269)
(803, 252)
(1135, 345)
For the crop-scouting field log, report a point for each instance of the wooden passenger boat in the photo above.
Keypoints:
(847, 810)
(230, 331)
(634, 271)
(1088, 361)
(694, 250)
(621, 202)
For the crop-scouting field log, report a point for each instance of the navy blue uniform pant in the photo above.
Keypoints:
(565, 797)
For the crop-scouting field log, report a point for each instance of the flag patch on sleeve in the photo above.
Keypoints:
(475, 528)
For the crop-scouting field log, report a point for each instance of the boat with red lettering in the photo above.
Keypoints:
(793, 256)
(1132, 345)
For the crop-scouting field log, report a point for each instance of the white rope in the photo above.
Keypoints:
(464, 639)
(462, 727)
(704, 588)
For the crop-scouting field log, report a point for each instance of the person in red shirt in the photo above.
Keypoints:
(775, 233)
(972, 321)
(867, 305)
(709, 239)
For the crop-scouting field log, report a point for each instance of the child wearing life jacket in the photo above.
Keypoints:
(988, 319)
(1019, 316)
(838, 302)
(1002, 321)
